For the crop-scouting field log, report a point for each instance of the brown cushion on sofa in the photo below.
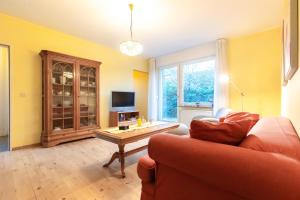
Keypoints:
(227, 133)
(236, 116)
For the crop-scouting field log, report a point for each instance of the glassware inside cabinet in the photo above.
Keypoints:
(63, 95)
(87, 96)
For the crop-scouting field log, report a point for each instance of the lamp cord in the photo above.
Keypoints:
(131, 8)
(240, 92)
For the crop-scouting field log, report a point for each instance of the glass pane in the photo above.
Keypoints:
(62, 92)
(87, 96)
(198, 83)
(169, 93)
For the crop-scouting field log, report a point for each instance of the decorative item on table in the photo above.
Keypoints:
(139, 121)
(123, 127)
(144, 119)
(133, 119)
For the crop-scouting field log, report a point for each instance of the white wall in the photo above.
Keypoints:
(201, 51)
(4, 91)
(291, 101)
(290, 94)
(186, 114)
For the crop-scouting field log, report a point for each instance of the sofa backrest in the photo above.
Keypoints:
(274, 134)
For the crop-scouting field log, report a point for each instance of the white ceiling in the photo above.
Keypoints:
(162, 26)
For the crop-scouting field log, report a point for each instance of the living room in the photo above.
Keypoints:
(139, 99)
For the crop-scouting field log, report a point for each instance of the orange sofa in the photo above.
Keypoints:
(266, 165)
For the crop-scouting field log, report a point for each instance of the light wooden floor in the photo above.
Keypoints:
(69, 171)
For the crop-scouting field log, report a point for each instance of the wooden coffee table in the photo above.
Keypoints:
(134, 134)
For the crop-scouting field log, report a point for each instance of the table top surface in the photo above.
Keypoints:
(134, 133)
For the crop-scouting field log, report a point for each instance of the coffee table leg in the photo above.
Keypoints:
(113, 157)
(122, 158)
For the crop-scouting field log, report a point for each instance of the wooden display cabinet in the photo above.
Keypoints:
(70, 98)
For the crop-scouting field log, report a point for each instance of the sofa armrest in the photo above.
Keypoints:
(146, 169)
(246, 173)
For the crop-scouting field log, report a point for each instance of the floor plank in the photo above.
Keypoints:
(71, 171)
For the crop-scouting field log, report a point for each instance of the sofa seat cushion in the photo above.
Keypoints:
(276, 135)
(231, 133)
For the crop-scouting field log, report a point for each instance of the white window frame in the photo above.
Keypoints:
(181, 94)
(180, 97)
(160, 102)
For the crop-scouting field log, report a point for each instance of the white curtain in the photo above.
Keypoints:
(221, 94)
(152, 91)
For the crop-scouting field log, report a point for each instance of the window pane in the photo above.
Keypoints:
(169, 94)
(198, 82)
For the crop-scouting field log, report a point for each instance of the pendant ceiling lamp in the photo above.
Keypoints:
(131, 47)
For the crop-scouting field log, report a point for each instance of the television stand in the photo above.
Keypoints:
(122, 118)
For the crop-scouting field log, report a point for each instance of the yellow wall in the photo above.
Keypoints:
(141, 89)
(255, 66)
(26, 41)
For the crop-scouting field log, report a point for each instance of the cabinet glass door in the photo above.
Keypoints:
(88, 97)
(62, 95)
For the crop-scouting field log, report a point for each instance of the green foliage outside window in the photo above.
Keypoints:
(198, 87)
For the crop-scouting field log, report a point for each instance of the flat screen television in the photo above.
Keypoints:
(123, 99)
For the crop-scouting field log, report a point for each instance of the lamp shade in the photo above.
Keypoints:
(131, 48)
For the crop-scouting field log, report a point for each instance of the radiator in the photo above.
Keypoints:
(186, 114)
